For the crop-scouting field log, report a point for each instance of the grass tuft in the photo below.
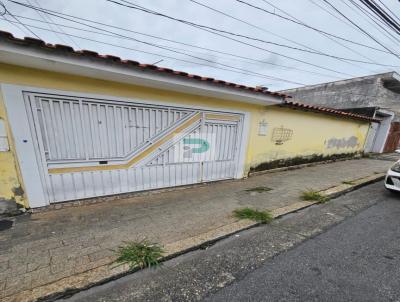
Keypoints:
(314, 195)
(259, 216)
(350, 182)
(258, 189)
(139, 254)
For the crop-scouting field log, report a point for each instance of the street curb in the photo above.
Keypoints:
(103, 274)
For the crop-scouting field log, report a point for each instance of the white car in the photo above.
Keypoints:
(392, 179)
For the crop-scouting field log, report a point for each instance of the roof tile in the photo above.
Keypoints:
(293, 104)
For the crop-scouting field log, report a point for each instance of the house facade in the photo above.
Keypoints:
(80, 125)
(377, 94)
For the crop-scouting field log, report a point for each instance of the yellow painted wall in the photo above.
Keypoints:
(313, 134)
(10, 184)
(310, 129)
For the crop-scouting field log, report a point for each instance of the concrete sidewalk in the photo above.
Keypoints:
(45, 253)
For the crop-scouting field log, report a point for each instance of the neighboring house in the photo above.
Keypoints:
(80, 125)
(380, 93)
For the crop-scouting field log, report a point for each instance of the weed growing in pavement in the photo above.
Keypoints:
(139, 254)
(258, 189)
(252, 214)
(314, 195)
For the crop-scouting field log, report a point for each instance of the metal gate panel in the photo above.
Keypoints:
(96, 147)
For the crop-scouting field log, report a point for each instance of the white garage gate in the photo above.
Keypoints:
(87, 147)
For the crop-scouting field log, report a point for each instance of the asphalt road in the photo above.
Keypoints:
(345, 250)
(358, 260)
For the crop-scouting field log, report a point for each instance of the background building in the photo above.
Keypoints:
(375, 95)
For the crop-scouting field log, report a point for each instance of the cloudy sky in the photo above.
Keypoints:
(251, 60)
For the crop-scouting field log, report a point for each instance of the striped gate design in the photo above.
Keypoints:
(95, 147)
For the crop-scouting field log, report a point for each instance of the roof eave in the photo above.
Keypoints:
(328, 111)
(82, 66)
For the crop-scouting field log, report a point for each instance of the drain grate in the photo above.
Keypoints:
(5, 225)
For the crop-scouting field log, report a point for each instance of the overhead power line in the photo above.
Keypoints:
(366, 15)
(310, 27)
(383, 15)
(389, 10)
(7, 12)
(364, 31)
(210, 31)
(51, 23)
(226, 37)
(309, 48)
(247, 59)
(220, 32)
(253, 25)
(341, 44)
(238, 34)
(225, 66)
(17, 26)
(44, 17)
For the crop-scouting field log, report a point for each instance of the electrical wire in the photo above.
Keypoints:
(366, 15)
(324, 34)
(252, 25)
(51, 23)
(365, 32)
(134, 6)
(228, 68)
(312, 49)
(4, 13)
(7, 12)
(383, 15)
(310, 27)
(242, 58)
(387, 8)
(215, 33)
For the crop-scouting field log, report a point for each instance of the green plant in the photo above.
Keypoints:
(350, 182)
(139, 254)
(256, 215)
(314, 195)
(258, 189)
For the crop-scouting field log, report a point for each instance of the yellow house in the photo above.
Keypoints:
(80, 125)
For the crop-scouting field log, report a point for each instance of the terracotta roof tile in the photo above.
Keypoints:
(64, 47)
(88, 53)
(298, 105)
(57, 47)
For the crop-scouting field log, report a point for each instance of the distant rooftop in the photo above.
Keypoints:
(391, 81)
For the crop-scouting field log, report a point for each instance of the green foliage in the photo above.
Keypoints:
(248, 213)
(314, 196)
(348, 182)
(258, 189)
(139, 254)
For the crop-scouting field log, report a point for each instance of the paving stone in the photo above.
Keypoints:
(4, 257)
(3, 266)
(17, 283)
(81, 263)
(49, 246)
(17, 268)
(105, 253)
(41, 276)
(61, 266)
(38, 263)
